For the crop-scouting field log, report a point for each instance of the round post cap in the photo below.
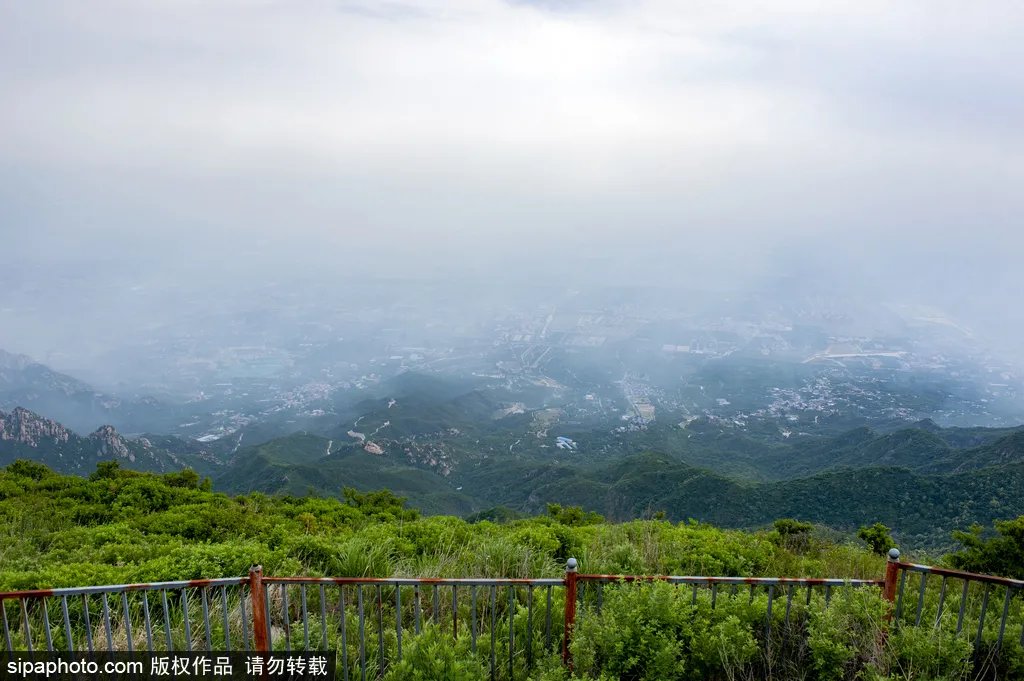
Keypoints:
(894, 554)
(570, 565)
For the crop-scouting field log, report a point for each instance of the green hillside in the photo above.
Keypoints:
(120, 526)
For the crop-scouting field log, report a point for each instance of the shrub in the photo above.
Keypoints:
(430, 656)
(877, 537)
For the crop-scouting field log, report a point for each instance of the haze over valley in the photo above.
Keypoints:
(721, 263)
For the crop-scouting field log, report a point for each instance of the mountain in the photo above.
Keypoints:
(27, 383)
(923, 508)
(303, 463)
(454, 455)
(26, 435)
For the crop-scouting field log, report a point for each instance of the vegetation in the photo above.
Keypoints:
(1000, 555)
(878, 538)
(121, 526)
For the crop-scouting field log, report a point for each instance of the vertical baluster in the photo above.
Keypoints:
(7, 627)
(398, 619)
(28, 631)
(768, 616)
(789, 599)
(287, 618)
(227, 621)
(149, 624)
(920, 599)
(67, 623)
(828, 594)
(963, 606)
(434, 606)
(942, 601)
(305, 618)
(204, 598)
(693, 599)
(472, 617)
(344, 634)
(46, 626)
(547, 623)
(529, 626)
(106, 622)
(126, 611)
(380, 632)
(714, 594)
(494, 624)
(167, 620)
(455, 611)
(899, 596)
(188, 625)
(511, 628)
(1002, 622)
(981, 618)
(269, 618)
(1022, 632)
(416, 607)
(323, 618)
(245, 617)
(88, 624)
(362, 635)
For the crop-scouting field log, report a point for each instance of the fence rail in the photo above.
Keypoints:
(945, 600)
(512, 620)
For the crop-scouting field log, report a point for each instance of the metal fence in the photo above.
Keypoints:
(954, 595)
(511, 622)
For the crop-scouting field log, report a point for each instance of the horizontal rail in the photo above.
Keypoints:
(959, 574)
(750, 581)
(512, 619)
(414, 581)
(118, 588)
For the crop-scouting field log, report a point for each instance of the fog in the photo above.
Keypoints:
(164, 164)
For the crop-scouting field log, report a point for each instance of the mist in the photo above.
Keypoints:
(168, 168)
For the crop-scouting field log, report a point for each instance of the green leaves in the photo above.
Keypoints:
(1002, 554)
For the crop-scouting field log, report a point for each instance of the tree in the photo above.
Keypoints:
(573, 516)
(28, 469)
(793, 534)
(106, 470)
(878, 538)
(1000, 555)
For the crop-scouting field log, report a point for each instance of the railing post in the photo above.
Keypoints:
(259, 610)
(570, 609)
(892, 574)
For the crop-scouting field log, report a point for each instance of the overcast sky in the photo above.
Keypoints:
(445, 134)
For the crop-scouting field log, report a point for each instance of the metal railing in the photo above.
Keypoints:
(966, 594)
(367, 620)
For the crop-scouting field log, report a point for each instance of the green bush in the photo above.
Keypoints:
(431, 656)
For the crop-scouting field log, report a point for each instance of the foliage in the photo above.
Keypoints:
(573, 515)
(793, 534)
(122, 526)
(432, 657)
(878, 538)
(999, 555)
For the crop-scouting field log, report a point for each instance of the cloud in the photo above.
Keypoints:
(470, 125)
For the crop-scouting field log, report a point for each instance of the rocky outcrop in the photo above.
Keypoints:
(24, 427)
(110, 443)
(26, 435)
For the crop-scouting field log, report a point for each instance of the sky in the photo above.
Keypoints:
(881, 143)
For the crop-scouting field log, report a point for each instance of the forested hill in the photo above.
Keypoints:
(922, 480)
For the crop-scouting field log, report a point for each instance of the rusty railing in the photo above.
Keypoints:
(366, 619)
(938, 601)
